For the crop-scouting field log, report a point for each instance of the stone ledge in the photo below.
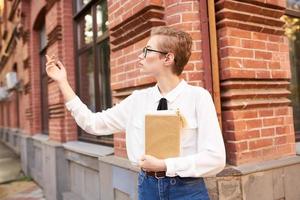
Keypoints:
(88, 148)
(40, 137)
(119, 162)
(257, 167)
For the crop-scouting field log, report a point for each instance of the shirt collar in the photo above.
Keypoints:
(171, 95)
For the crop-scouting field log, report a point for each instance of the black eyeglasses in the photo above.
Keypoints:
(145, 50)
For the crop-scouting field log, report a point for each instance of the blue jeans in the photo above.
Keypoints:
(171, 188)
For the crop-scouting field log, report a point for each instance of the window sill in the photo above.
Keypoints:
(85, 148)
(40, 137)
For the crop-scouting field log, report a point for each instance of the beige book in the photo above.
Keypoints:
(162, 133)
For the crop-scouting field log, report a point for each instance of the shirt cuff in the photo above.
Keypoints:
(170, 164)
(71, 104)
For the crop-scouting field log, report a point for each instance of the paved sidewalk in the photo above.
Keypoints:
(21, 190)
(13, 184)
(10, 166)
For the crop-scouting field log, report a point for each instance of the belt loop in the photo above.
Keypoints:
(158, 177)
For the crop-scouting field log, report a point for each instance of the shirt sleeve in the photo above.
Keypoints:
(210, 158)
(107, 121)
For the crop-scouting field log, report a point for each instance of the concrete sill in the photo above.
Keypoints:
(89, 149)
(120, 162)
(40, 137)
(249, 168)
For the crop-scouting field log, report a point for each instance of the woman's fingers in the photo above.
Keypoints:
(60, 65)
(50, 59)
(50, 62)
(49, 66)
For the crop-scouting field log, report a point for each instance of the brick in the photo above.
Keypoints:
(263, 55)
(252, 44)
(249, 63)
(260, 143)
(237, 147)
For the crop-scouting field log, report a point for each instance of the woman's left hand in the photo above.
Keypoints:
(151, 163)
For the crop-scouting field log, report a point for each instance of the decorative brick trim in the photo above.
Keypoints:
(28, 113)
(249, 15)
(267, 3)
(55, 35)
(27, 88)
(136, 27)
(56, 110)
(241, 94)
(3, 61)
(4, 35)
(12, 42)
(50, 4)
(25, 36)
(9, 48)
(13, 10)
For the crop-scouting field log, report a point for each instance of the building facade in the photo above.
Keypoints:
(244, 52)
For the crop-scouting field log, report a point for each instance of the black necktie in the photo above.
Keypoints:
(163, 105)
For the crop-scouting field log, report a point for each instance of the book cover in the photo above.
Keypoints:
(162, 133)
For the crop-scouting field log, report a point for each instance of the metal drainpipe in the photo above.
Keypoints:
(210, 52)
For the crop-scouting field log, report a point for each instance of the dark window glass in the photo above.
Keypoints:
(87, 80)
(295, 79)
(104, 73)
(292, 30)
(44, 82)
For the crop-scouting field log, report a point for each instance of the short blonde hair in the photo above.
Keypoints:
(177, 42)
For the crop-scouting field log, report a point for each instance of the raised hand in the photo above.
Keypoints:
(55, 69)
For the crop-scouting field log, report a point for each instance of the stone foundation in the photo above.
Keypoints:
(83, 171)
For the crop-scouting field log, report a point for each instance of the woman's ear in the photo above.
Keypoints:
(169, 59)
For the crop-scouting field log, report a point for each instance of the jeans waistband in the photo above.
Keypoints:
(180, 177)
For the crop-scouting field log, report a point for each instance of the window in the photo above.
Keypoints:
(292, 19)
(17, 112)
(92, 60)
(44, 81)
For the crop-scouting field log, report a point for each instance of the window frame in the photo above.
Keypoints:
(90, 7)
(43, 83)
(295, 14)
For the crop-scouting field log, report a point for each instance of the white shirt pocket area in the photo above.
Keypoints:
(188, 138)
(138, 122)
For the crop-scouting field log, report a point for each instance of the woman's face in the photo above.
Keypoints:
(154, 62)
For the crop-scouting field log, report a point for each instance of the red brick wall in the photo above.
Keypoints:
(254, 68)
(34, 63)
(70, 127)
(57, 14)
(255, 73)
(13, 113)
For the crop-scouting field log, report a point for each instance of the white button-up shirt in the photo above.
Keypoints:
(202, 149)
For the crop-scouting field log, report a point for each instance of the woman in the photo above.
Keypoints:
(202, 150)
